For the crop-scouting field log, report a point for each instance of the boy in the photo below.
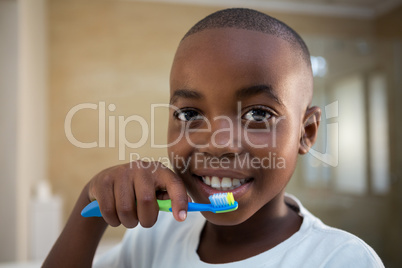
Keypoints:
(241, 89)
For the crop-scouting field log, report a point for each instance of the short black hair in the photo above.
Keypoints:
(249, 19)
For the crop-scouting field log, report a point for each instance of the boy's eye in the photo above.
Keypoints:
(258, 115)
(187, 115)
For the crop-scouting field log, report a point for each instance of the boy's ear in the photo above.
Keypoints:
(310, 129)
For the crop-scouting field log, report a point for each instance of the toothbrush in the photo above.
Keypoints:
(220, 203)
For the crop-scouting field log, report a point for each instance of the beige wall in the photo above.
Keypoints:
(23, 99)
(8, 119)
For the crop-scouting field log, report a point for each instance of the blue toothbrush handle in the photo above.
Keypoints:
(211, 208)
(200, 207)
(92, 209)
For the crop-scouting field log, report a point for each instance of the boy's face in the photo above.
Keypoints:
(239, 100)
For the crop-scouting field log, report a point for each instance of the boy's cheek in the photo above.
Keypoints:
(282, 132)
(280, 144)
(265, 139)
(174, 135)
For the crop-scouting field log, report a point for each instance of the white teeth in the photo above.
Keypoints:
(223, 184)
(215, 183)
(226, 182)
(206, 180)
(236, 182)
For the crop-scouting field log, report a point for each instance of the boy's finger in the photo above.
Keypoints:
(147, 206)
(125, 202)
(107, 206)
(178, 194)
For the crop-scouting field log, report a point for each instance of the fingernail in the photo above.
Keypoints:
(182, 215)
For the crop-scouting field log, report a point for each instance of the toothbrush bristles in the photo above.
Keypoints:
(222, 199)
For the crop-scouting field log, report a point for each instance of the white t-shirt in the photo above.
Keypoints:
(174, 244)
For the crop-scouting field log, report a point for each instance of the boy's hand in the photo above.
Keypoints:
(127, 193)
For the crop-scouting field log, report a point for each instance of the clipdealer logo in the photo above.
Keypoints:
(328, 157)
(123, 143)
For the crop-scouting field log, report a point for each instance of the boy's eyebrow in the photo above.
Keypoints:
(258, 89)
(185, 93)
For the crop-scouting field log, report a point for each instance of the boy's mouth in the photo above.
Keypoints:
(223, 183)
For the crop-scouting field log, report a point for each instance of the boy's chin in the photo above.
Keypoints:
(224, 219)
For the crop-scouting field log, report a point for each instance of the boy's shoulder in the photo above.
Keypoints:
(330, 246)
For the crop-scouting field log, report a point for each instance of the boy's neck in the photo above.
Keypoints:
(271, 225)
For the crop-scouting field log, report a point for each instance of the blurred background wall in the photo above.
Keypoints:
(112, 59)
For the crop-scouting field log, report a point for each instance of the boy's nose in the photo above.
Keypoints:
(224, 138)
